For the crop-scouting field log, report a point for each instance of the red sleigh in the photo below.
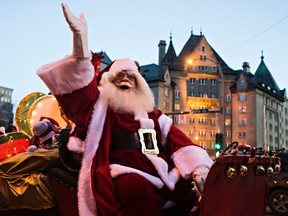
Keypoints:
(237, 184)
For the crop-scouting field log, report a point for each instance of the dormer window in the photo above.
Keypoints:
(263, 85)
(242, 82)
(269, 88)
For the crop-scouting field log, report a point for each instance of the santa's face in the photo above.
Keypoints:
(125, 80)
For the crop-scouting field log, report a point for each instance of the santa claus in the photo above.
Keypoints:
(134, 160)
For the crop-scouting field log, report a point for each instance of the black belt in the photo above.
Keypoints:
(131, 140)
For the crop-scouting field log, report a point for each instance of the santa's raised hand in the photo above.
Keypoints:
(79, 28)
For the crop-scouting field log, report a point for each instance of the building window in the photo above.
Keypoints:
(242, 83)
(192, 120)
(202, 81)
(202, 121)
(242, 109)
(177, 94)
(242, 122)
(227, 122)
(228, 98)
(202, 133)
(241, 97)
(177, 107)
(228, 134)
(166, 92)
(213, 95)
(203, 48)
(192, 80)
(228, 110)
(213, 121)
(166, 105)
(192, 94)
(212, 133)
(191, 132)
(213, 82)
(202, 94)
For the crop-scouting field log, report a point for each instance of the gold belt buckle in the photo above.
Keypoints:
(145, 150)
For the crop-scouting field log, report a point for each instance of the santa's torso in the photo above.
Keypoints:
(123, 127)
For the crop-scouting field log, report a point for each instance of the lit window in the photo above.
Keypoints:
(177, 106)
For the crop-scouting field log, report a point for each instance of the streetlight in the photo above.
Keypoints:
(222, 108)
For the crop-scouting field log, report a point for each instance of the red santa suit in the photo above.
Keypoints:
(72, 81)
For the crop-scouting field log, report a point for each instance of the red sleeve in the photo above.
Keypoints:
(177, 139)
(79, 105)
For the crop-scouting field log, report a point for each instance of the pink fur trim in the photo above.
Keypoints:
(86, 200)
(66, 75)
(75, 144)
(123, 64)
(161, 166)
(165, 123)
(116, 170)
(188, 158)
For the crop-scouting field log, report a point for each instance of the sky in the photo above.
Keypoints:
(34, 33)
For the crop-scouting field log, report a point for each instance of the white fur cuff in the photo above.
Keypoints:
(67, 74)
(190, 157)
(75, 144)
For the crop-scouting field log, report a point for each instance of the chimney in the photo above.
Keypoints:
(162, 51)
(246, 67)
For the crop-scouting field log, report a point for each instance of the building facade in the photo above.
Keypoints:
(205, 97)
(6, 107)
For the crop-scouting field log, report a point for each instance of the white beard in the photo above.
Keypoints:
(129, 101)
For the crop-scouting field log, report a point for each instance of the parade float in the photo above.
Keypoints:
(44, 182)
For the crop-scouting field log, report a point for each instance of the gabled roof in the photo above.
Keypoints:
(170, 56)
(152, 72)
(265, 80)
(190, 46)
(249, 77)
(263, 75)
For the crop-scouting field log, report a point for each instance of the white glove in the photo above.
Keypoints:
(80, 30)
(199, 176)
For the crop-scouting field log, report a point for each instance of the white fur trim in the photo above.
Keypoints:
(117, 170)
(165, 123)
(86, 200)
(190, 157)
(122, 65)
(67, 74)
(75, 144)
(146, 123)
(161, 166)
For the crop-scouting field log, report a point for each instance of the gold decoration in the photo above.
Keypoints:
(243, 170)
(231, 172)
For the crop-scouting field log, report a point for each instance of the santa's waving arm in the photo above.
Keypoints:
(80, 29)
(71, 79)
